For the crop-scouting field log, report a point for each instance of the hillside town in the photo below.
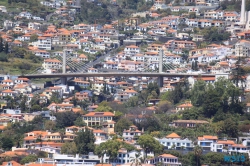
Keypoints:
(197, 115)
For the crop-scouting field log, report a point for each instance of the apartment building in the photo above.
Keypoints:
(131, 133)
(97, 118)
(52, 64)
(242, 48)
(188, 123)
(174, 141)
(43, 43)
(184, 106)
(180, 44)
(131, 50)
(165, 159)
(207, 142)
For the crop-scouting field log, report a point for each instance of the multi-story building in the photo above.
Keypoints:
(207, 142)
(188, 123)
(174, 141)
(131, 50)
(242, 48)
(131, 133)
(165, 159)
(52, 64)
(97, 118)
(124, 156)
(43, 43)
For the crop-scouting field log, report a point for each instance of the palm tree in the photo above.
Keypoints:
(39, 139)
(136, 160)
(62, 134)
(197, 153)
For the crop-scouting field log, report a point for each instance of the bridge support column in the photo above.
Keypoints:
(160, 81)
(64, 62)
(160, 61)
(63, 80)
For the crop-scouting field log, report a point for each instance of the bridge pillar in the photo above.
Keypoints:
(63, 80)
(160, 60)
(160, 81)
(64, 62)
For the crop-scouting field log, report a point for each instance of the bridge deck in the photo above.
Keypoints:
(116, 74)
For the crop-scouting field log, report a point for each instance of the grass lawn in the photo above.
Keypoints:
(12, 68)
(4, 3)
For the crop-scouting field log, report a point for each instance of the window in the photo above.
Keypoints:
(85, 118)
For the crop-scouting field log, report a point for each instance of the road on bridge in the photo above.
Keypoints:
(117, 74)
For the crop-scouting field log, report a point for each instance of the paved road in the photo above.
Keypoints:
(117, 74)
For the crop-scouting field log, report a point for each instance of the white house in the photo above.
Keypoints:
(26, 15)
(174, 141)
(165, 159)
(43, 43)
(207, 142)
(52, 64)
(131, 50)
(131, 133)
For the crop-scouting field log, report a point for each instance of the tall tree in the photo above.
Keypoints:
(149, 144)
(111, 148)
(69, 148)
(1, 44)
(197, 153)
(6, 48)
(65, 119)
(85, 141)
(122, 124)
(198, 93)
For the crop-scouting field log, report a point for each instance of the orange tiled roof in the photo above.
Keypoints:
(225, 142)
(173, 135)
(13, 163)
(168, 156)
(100, 114)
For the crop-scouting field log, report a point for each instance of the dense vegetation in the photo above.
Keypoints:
(33, 6)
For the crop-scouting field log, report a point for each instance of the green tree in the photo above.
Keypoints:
(79, 122)
(22, 105)
(65, 119)
(3, 57)
(7, 143)
(35, 108)
(177, 94)
(1, 44)
(69, 148)
(33, 37)
(111, 148)
(149, 144)
(28, 159)
(55, 97)
(85, 141)
(122, 124)
(132, 101)
(103, 108)
(192, 15)
(198, 153)
(6, 48)
(50, 125)
(198, 93)
(164, 106)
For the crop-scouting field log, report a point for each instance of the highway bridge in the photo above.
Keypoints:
(116, 74)
(64, 76)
